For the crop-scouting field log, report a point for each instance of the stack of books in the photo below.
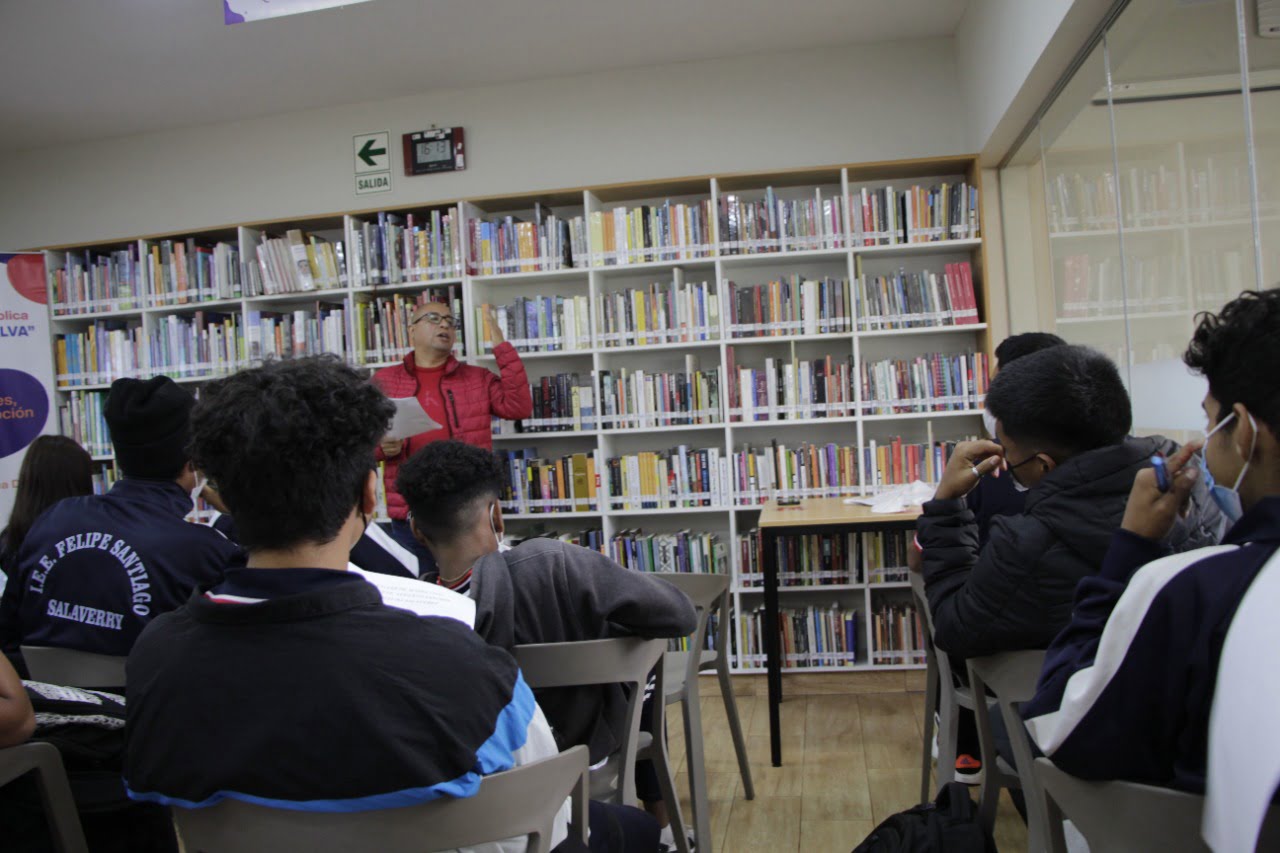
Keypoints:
(382, 324)
(936, 382)
(293, 334)
(808, 471)
(631, 399)
(896, 634)
(107, 350)
(918, 214)
(665, 232)
(541, 485)
(295, 263)
(669, 479)
(510, 245)
(791, 390)
(402, 250)
(179, 273)
(815, 636)
(915, 300)
(809, 559)
(203, 343)
(684, 551)
(896, 463)
(884, 555)
(790, 306)
(659, 314)
(107, 282)
(772, 224)
(80, 418)
(540, 323)
(561, 403)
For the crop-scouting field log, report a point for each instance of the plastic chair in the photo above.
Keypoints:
(1120, 817)
(1012, 677)
(627, 661)
(523, 801)
(941, 693)
(709, 594)
(74, 668)
(55, 791)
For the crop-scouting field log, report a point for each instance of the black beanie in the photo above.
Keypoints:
(150, 424)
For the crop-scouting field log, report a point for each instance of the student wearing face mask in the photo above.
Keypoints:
(1062, 419)
(94, 571)
(1127, 688)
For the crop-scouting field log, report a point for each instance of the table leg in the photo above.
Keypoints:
(772, 643)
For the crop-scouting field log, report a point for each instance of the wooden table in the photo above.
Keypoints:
(815, 515)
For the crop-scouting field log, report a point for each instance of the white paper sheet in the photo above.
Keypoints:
(424, 599)
(896, 498)
(1244, 754)
(410, 419)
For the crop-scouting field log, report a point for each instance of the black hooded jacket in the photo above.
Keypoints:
(1018, 592)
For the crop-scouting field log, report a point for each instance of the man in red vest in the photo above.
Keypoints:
(461, 397)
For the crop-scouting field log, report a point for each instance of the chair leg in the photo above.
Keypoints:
(666, 781)
(696, 767)
(1037, 817)
(59, 804)
(948, 732)
(989, 797)
(735, 725)
(930, 705)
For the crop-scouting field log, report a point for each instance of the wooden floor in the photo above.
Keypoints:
(851, 757)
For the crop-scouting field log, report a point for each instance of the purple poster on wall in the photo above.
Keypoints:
(26, 375)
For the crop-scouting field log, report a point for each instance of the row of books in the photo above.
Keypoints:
(662, 232)
(199, 344)
(911, 300)
(828, 559)
(1147, 195)
(170, 272)
(539, 323)
(887, 217)
(509, 245)
(659, 314)
(772, 224)
(294, 334)
(785, 390)
(680, 477)
(381, 325)
(763, 473)
(936, 382)
(632, 399)
(295, 263)
(897, 634)
(104, 477)
(813, 636)
(106, 350)
(896, 463)
(1092, 285)
(561, 403)
(592, 538)
(790, 306)
(537, 485)
(398, 250)
(80, 418)
(684, 551)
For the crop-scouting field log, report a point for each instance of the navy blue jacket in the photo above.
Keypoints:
(1127, 687)
(93, 571)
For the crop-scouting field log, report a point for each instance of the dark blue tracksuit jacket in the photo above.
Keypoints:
(93, 571)
(1128, 685)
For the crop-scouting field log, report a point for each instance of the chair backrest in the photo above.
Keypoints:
(522, 801)
(1124, 816)
(624, 660)
(73, 668)
(55, 791)
(942, 659)
(709, 593)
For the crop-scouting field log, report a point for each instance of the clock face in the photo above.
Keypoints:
(434, 151)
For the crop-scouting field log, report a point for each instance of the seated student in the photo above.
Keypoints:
(1062, 419)
(315, 656)
(93, 571)
(1127, 688)
(54, 467)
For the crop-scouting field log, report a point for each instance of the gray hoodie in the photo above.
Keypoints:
(548, 591)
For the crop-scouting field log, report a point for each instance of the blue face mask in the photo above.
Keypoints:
(1227, 498)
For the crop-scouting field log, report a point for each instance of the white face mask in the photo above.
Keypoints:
(989, 422)
(201, 482)
(493, 525)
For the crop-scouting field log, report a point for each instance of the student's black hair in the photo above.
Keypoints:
(1015, 347)
(1065, 400)
(289, 446)
(442, 482)
(1238, 351)
(54, 467)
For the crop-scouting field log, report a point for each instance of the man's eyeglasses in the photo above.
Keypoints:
(432, 318)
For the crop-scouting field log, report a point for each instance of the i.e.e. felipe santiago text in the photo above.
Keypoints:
(118, 548)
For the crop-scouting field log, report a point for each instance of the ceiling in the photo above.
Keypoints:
(79, 70)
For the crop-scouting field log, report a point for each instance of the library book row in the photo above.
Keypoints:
(395, 249)
(203, 341)
(830, 636)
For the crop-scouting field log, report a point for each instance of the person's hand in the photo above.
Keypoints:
(493, 330)
(969, 463)
(1151, 512)
(213, 499)
(392, 446)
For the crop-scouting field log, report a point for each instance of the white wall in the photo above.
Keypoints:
(816, 107)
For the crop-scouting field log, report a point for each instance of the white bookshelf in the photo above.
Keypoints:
(729, 519)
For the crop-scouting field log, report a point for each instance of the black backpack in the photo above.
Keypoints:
(948, 825)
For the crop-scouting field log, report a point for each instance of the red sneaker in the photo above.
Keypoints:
(968, 770)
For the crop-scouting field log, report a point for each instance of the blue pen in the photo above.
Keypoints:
(1162, 472)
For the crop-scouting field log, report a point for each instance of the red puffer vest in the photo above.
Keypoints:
(472, 396)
